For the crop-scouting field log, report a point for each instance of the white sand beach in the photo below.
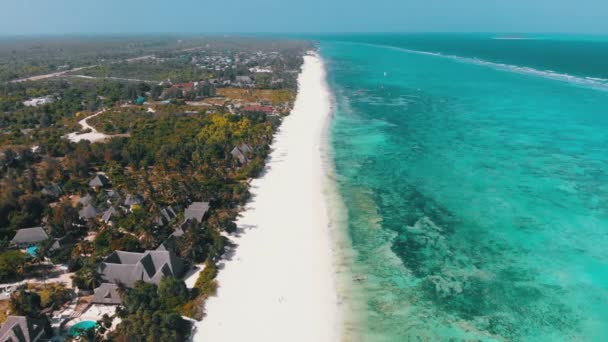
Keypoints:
(280, 284)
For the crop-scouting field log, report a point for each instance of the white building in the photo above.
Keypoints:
(39, 101)
(260, 70)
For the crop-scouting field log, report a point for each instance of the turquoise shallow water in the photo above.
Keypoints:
(477, 194)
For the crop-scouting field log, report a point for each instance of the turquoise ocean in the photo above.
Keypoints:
(474, 173)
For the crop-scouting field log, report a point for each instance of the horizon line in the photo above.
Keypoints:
(283, 34)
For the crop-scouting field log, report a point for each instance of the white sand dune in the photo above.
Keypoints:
(280, 283)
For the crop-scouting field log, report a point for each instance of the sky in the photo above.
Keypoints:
(59, 17)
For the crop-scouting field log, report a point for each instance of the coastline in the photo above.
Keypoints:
(351, 294)
(282, 282)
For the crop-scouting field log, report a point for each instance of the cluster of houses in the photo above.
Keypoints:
(215, 62)
(124, 268)
(203, 88)
(103, 204)
(218, 62)
(120, 268)
(245, 70)
(27, 237)
(232, 69)
(242, 153)
(188, 90)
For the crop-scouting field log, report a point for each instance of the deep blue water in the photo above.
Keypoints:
(475, 175)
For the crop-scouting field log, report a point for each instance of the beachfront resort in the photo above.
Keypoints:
(122, 184)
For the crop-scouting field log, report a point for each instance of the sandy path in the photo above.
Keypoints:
(55, 74)
(92, 136)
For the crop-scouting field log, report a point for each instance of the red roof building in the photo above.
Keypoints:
(264, 109)
(184, 85)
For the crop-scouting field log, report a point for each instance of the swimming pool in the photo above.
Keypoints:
(32, 251)
(80, 327)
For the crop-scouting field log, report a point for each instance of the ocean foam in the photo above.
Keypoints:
(513, 38)
(591, 82)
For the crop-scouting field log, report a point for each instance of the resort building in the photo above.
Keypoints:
(29, 236)
(132, 201)
(85, 200)
(150, 266)
(63, 242)
(22, 329)
(260, 70)
(244, 81)
(106, 294)
(166, 215)
(197, 211)
(108, 215)
(39, 101)
(52, 190)
(170, 244)
(99, 181)
(241, 153)
(257, 109)
(88, 212)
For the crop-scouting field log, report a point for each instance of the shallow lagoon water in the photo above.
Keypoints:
(477, 196)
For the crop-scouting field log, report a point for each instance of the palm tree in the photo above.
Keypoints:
(92, 279)
(148, 239)
(103, 326)
(42, 252)
(87, 278)
(44, 249)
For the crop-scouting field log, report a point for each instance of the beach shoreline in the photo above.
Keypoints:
(283, 279)
(349, 276)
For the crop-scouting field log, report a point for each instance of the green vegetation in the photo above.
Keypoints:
(86, 278)
(149, 70)
(205, 286)
(119, 120)
(28, 302)
(54, 295)
(25, 303)
(206, 282)
(150, 312)
(12, 264)
(172, 144)
(25, 57)
(274, 97)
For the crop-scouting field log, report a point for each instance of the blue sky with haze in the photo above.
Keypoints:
(190, 16)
